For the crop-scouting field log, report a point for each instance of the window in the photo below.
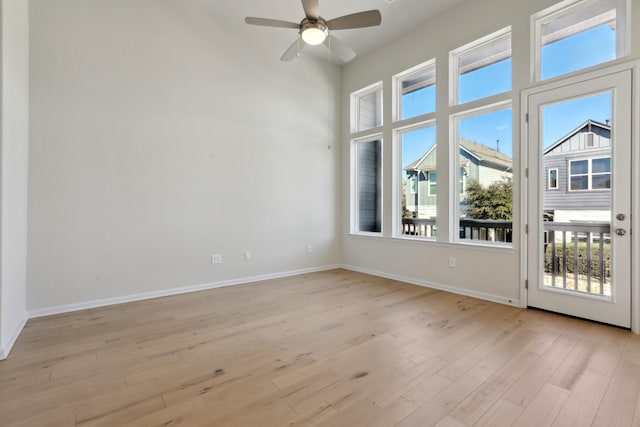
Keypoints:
(484, 144)
(367, 108)
(482, 68)
(552, 180)
(418, 198)
(415, 91)
(433, 184)
(574, 35)
(369, 186)
(590, 174)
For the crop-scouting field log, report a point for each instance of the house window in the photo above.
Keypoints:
(573, 35)
(366, 107)
(433, 184)
(481, 68)
(415, 91)
(368, 158)
(552, 180)
(590, 174)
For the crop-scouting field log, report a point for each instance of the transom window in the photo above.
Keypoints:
(574, 35)
(481, 68)
(415, 91)
(366, 105)
(590, 174)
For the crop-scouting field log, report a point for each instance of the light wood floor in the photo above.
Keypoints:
(336, 348)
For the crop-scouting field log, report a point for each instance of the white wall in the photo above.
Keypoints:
(14, 142)
(491, 273)
(160, 135)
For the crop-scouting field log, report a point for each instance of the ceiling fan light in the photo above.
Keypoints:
(314, 34)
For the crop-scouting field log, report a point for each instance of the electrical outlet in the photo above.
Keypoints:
(309, 249)
(247, 255)
(216, 259)
(452, 262)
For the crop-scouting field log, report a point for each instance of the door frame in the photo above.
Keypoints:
(525, 264)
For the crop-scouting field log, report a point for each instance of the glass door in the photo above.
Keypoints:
(579, 199)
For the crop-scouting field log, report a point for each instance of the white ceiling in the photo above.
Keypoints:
(398, 17)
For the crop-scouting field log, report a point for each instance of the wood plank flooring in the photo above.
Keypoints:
(335, 348)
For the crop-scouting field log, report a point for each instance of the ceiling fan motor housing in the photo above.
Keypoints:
(313, 31)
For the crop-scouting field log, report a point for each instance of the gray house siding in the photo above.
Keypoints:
(576, 147)
(369, 179)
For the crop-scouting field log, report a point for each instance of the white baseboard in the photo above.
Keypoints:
(49, 311)
(460, 291)
(6, 349)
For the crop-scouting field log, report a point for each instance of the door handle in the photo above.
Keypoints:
(621, 231)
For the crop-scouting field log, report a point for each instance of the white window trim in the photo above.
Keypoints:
(557, 186)
(589, 174)
(454, 68)
(397, 90)
(623, 24)
(355, 185)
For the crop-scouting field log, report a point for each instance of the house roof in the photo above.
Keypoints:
(589, 124)
(485, 155)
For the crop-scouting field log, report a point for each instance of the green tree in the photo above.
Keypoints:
(492, 202)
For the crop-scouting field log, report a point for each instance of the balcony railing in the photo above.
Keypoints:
(471, 229)
(577, 257)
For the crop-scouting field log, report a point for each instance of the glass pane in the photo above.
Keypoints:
(369, 111)
(577, 224)
(418, 148)
(602, 165)
(482, 82)
(579, 182)
(486, 163)
(579, 167)
(484, 70)
(417, 92)
(583, 36)
(553, 178)
(370, 186)
(601, 182)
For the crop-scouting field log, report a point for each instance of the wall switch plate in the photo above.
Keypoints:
(309, 249)
(247, 255)
(452, 262)
(216, 259)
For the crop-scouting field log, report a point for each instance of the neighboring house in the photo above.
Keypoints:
(477, 162)
(577, 175)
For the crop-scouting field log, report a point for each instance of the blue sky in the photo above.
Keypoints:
(583, 50)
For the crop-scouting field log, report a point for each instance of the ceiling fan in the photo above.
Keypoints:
(314, 29)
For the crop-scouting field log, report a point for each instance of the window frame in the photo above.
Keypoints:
(590, 174)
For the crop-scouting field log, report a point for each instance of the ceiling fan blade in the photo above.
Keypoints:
(370, 18)
(311, 9)
(271, 23)
(293, 50)
(341, 50)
